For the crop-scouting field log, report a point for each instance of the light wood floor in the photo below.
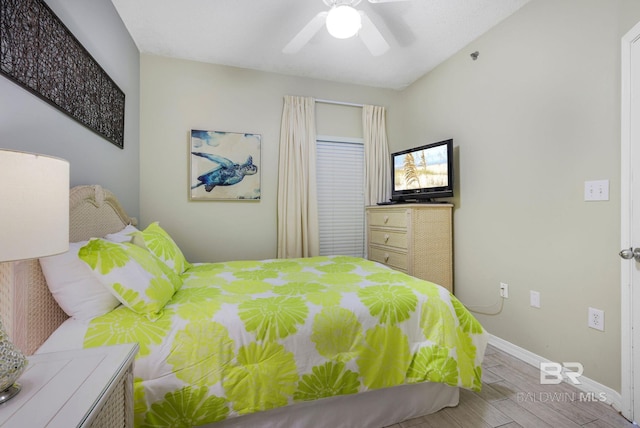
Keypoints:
(512, 396)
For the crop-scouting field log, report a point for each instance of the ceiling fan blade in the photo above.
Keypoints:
(309, 30)
(396, 25)
(371, 36)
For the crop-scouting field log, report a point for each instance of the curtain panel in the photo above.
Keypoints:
(377, 172)
(298, 234)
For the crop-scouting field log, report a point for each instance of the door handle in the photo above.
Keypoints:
(630, 253)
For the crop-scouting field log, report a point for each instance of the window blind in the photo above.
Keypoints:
(340, 182)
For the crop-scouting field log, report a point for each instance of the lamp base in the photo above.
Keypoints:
(12, 364)
(9, 393)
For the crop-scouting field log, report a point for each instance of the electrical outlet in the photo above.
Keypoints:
(534, 298)
(597, 190)
(596, 319)
(504, 290)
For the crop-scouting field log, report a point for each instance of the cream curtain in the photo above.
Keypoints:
(298, 234)
(377, 173)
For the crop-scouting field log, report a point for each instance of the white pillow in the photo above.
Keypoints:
(74, 286)
(125, 235)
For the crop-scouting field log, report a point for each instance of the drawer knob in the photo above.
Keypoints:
(386, 257)
(386, 219)
(386, 238)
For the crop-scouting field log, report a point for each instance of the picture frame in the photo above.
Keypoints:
(224, 166)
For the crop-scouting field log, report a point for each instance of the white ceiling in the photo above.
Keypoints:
(251, 34)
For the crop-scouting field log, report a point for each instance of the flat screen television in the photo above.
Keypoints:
(422, 174)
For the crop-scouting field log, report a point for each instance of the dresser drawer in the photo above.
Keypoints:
(388, 237)
(388, 218)
(388, 257)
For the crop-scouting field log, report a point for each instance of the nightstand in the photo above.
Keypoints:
(82, 388)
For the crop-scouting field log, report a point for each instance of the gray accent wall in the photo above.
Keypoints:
(30, 124)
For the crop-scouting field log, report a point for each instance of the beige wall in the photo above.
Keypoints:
(534, 117)
(180, 95)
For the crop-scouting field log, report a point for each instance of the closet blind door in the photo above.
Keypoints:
(340, 181)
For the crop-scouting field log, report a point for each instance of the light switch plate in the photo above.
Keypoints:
(534, 298)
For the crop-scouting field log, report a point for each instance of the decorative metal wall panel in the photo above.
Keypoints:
(38, 52)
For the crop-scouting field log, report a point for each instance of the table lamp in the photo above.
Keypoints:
(34, 222)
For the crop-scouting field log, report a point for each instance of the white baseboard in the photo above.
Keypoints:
(587, 385)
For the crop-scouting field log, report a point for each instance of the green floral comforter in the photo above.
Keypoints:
(246, 336)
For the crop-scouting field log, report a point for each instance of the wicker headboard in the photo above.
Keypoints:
(29, 312)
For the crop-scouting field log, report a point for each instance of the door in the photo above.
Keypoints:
(630, 224)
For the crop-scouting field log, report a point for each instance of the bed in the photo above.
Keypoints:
(323, 342)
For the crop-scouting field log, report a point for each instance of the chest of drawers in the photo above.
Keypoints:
(413, 238)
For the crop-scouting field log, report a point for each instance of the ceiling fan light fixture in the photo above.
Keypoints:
(343, 21)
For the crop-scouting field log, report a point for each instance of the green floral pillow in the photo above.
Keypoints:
(157, 240)
(136, 277)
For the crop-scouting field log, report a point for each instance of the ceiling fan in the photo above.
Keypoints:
(343, 21)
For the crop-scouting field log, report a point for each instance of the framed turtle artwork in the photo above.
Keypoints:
(224, 166)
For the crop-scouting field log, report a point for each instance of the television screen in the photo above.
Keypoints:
(424, 172)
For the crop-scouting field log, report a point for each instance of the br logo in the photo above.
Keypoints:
(553, 373)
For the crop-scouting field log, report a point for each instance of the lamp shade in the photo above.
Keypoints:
(343, 21)
(34, 205)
